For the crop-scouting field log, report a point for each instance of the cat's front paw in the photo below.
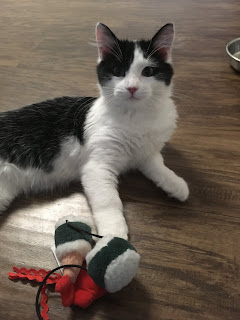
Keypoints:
(180, 190)
(120, 231)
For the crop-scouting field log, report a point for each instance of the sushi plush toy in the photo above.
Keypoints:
(111, 264)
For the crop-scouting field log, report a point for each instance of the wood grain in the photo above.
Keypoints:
(190, 252)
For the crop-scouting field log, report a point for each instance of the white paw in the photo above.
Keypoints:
(180, 190)
(111, 221)
(120, 231)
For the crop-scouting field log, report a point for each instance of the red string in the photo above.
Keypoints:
(36, 275)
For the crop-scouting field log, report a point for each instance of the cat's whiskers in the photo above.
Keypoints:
(96, 43)
(110, 98)
(73, 105)
(115, 53)
(110, 49)
(149, 46)
(185, 98)
(82, 108)
(118, 47)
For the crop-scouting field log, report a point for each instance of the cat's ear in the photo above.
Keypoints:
(162, 42)
(107, 41)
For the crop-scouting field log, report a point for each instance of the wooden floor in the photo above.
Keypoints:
(190, 252)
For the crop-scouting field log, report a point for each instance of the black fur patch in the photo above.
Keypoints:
(164, 70)
(32, 136)
(105, 68)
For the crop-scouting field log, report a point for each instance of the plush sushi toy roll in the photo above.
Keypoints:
(111, 264)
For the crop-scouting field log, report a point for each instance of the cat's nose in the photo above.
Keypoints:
(132, 90)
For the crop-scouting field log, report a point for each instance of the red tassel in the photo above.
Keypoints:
(43, 303)
(33, 274)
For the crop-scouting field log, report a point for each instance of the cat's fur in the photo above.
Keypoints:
(57, 141)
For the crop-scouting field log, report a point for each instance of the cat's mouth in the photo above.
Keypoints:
(133, 98)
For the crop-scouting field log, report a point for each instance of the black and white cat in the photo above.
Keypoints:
(95, 139)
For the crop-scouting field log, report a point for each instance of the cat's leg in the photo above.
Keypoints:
(9, 185)
(100, 185)
(155, 169)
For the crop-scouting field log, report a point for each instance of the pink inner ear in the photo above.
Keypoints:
(164, 52)
(101, 47)
(162, 41)
(105, 41)
(103, 51)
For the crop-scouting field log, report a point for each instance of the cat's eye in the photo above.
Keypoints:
(118, 72)
(148, 71)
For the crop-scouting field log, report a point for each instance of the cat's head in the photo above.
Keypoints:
(133, 71)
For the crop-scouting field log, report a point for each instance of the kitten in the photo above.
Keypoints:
(95, 139)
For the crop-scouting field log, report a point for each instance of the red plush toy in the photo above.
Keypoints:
(82, 293)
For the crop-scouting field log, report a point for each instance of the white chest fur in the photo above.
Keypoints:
(124, 136)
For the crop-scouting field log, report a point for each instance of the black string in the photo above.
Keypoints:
(82, 230)
(37, 305)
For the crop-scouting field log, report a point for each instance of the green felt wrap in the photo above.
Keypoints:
(65, 234)
(102, 259)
